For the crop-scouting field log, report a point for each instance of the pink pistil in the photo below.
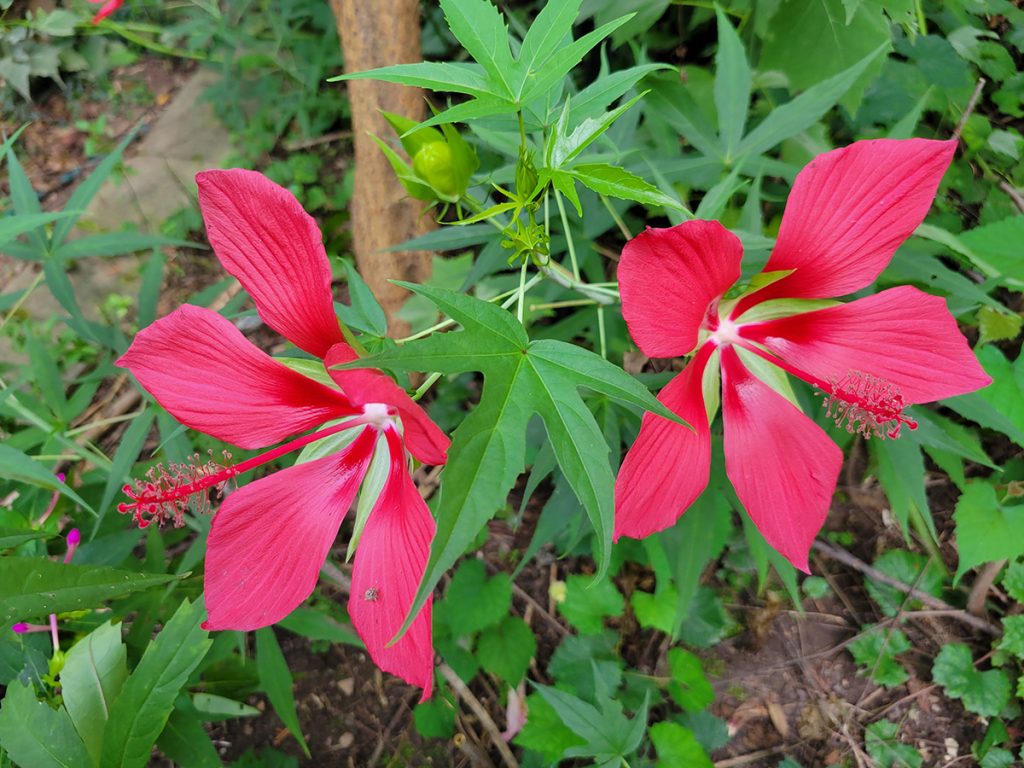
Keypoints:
(859, 402)
(163, 495)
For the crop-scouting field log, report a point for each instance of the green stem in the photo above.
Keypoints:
(522, 291)
(422, 389)
(600, 332)
(508, 298)
(568, 238)
(616, 218)
(17, 305)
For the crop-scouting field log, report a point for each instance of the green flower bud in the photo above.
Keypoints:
(433, 164)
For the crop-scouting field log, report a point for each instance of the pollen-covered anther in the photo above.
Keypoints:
(867, 405)
(167, 491)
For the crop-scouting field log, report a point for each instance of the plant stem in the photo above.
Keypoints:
(522, 291)
(616, 218)
(422, 390)
(600, 332)
(568, 237)
(17, 305)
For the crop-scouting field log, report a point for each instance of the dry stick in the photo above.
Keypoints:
(971, 104)
(1011, 190)
(732, 762)
(874, 574)
(981, 586)
(403, 707)
(540, 609)
(463, 692)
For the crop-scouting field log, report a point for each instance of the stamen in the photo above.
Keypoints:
(866, 405)
(166, 492)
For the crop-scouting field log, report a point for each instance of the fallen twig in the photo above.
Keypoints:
(876, 575)
(463, 692)
(971, 104)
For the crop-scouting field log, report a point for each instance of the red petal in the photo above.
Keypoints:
(211, 378)
(264, 238)
(902, 335)
(850, 209)
(783, 466)
(108, 8)
(668, 466)
(389, 564)
(424, 439)
(669, 277)
(269, 538)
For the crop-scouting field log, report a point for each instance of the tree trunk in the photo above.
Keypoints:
(375, 35)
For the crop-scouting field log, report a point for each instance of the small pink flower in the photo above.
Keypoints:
(108, 8)
(849, 211)
(270, 537)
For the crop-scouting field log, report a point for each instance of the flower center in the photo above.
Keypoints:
(727, 332)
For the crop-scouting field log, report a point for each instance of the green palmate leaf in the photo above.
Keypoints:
(140, 711)
(998, 245)
(670, 101)
(481, 30)
(486, 106)
(113, 244)
(609, 86)
(910, 568)
(521, 378)
(537, 81)
(546, 35)
(587, 605)
(15, 465)
(1013, 580)
(31, 587)
(564, 146)
(612, 181)
(25, 201)
(876, 650)
(608, 733)
(986, 529)
(276, 680)
(470, 79)
(94, 672)
(983, 693)
(829, 43)
(506, 650)
(36, 736)
(1012, 640)
(732, 85)
(677, 747)
(805, 110)
(364, 309)
(474, 601)
(12, 226)
(884, 747)
(689, 687)
(545, 732)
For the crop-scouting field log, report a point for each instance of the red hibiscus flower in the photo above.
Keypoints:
(270, 537)
(108, 8)
(848, 212)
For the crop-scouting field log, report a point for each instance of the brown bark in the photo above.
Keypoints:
(372, 35)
